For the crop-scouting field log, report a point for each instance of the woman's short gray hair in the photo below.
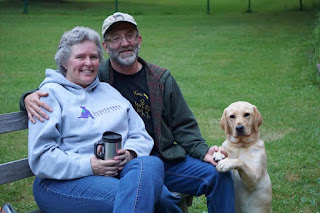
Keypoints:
(75, 36)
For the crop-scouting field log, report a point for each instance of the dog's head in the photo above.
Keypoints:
(241, 119)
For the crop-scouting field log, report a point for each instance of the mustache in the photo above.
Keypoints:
(126, 49)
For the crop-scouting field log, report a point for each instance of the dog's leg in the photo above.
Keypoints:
(249, 176)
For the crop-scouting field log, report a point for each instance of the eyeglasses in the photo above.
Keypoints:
(130, 37)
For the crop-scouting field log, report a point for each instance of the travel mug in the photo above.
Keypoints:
(107, 148)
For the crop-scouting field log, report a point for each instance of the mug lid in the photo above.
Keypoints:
(111, 137)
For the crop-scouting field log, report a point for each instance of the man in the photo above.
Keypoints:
(155, 95)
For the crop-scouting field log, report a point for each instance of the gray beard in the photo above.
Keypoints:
(126, 59)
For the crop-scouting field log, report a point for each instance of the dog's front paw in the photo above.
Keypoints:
(218, 156)
(225, 165)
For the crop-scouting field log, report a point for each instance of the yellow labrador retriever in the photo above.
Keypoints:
(246, 158)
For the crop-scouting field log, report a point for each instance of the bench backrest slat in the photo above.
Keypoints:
(13, 122)
(19, 169)
(15, 170)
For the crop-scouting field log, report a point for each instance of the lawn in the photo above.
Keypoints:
(267, 57)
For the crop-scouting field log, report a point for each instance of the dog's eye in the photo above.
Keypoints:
(232, 116)
(246, 114)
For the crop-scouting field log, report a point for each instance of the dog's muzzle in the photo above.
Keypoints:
(240, 129)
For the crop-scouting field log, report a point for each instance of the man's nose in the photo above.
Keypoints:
(124, 41)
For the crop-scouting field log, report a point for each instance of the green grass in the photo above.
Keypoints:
(267, 57)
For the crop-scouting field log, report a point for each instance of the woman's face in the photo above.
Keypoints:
(83, 64)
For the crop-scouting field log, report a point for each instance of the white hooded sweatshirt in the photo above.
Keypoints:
(61, 147)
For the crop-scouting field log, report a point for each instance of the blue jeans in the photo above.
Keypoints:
(168, 203)
(195, 177)
(138, 189)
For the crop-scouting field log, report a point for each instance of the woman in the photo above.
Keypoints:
(69, 178)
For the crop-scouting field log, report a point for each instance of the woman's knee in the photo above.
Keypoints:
(153, 162)
(76, 195)
(148, 164)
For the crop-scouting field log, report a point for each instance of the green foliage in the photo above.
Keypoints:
(267, 57)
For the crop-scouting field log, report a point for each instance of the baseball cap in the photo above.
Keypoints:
(114, 18)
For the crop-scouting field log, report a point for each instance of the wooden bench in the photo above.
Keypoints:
(19, 169)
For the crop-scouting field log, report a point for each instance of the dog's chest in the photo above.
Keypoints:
(243, 154)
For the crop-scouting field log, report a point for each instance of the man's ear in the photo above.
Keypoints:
(223, 122)
(139, 41)
(104, 44)
(257, 118)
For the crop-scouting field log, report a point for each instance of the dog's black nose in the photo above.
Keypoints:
(240, 128)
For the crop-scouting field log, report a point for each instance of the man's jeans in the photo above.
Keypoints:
(195, 177)
(137, 190)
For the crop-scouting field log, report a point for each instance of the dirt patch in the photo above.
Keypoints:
(273, 136)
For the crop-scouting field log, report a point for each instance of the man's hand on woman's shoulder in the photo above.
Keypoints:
(33, 105)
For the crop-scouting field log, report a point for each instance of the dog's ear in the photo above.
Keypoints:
(257, 118)
(224, 122)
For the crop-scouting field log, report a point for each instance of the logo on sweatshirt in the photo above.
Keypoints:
(85, 113)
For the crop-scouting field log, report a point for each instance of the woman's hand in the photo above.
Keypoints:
(124, 156)
(109, 168)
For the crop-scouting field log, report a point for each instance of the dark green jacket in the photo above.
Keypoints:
(176, 131)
